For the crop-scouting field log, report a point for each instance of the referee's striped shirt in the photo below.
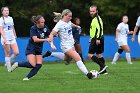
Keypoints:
(96, 28)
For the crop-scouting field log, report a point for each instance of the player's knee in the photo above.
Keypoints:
(120, 51)
(16, 53)
(128, 51)
(90, 55)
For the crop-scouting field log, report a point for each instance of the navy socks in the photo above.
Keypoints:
(25, 64)
(34, 71)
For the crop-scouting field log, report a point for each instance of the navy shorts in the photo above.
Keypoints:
(77, 40)
(34, 52)
(98, 49)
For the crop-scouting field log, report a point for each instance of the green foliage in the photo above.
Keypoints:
(108, 10)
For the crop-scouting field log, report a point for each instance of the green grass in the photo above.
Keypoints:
(61, 78)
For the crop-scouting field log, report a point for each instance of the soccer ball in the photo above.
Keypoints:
(95, 73)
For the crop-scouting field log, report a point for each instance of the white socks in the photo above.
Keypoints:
(12, 58)
(128, 58)
(8, 63)
(59, 55)
(82, 67)
(116, 56)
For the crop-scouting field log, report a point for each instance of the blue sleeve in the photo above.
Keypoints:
(47, 32)
(74, 30)
(33, 31)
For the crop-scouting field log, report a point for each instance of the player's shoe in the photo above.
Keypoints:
(89, 75)
(14, 66)
(67, 62)
(130, 63)
(113, 62)
(48, 53)
(26, 79)
(103, 70)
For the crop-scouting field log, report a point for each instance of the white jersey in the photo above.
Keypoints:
(64, 31)
(7, 24)
(123, 31)
(138, 23)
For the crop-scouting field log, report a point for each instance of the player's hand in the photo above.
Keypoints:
(133, 39)
(53, 47)
(97, 42)
(48, 39)
(131, 32)
(79, 27)
(116, 39)
(90, 40)
(4, 41)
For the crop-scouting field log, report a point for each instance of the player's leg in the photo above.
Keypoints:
(93, 49)
(103, 68)
(59, 55)
(29, 64)
(73, 54)
(79, 50)
(116, 56)
(6, 48)
(139, 39)
(48, 53)
(15, 50)
(7, 56)
(128, 57)
(36, 68)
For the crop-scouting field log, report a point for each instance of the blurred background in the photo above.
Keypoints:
(110, 11)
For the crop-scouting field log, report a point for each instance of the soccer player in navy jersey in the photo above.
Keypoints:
(39, 33)
(76, 35)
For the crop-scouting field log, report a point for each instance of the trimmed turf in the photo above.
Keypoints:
(61, 78)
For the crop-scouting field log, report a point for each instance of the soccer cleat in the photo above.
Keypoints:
(89, 75)
(14, 66)
(130, 63)
(48, 53)
(67, 62)
(103, 70)
(113, 63)
(25, 79)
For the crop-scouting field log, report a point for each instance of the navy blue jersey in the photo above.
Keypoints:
(41, 33)
(76, 34)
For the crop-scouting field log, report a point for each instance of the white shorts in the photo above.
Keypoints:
(13, 41)
(122, 43)
(139, 39)
(66, 48)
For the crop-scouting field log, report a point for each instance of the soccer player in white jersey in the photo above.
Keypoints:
(135, 31)
(8, 36)
(64, 30)
(121, 38)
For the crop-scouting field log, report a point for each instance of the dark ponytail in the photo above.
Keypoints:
(34, 19)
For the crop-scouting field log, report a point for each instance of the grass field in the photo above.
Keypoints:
(61, 78)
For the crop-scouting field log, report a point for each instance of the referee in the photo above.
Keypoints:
(97, 40)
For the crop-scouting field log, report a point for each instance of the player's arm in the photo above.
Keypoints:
(74, 25)
(130, 32)
(52, 34)
(2, 34)
(14, 32)
(35, 39)
(116, 39)
(134, 33)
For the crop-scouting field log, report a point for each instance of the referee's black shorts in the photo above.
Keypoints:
(98, 49)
